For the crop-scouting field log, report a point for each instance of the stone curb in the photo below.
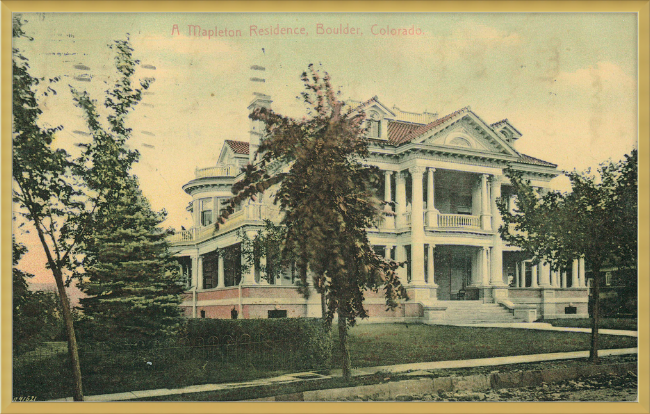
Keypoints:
(398, 390)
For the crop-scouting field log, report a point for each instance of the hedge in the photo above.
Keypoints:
(309, 339)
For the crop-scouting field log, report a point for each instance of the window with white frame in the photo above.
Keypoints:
(205, 207)
(374, 124)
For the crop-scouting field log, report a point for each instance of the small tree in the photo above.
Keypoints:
(329, 200)
(46, 193)
(131, 278)
(597, 221)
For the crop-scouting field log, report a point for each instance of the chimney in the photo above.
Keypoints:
(260, 100)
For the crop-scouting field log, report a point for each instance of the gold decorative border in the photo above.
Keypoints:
(640, 7)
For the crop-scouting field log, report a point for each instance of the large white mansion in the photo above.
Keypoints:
(443, 176)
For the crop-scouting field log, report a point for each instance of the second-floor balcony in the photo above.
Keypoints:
(253, 213)
(223, 170)
(443, 221)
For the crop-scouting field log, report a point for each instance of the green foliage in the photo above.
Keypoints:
(312, 337)
(131, 278)
(267, 244)
(597, 219)
(328, 196)
(45, 191)
(36, 315)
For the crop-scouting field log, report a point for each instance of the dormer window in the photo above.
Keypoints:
(374, 125)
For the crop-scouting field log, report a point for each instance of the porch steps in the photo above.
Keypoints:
(474, 312)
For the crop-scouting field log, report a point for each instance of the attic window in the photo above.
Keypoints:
(460, 142)
(507, 133)
(374, 124)
(373, 129)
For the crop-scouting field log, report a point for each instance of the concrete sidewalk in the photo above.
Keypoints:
(394, 369)
(543, 326)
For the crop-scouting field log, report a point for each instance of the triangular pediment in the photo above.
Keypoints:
(373, 104)
(468, 132)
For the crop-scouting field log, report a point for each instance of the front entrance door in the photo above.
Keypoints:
(453, 270)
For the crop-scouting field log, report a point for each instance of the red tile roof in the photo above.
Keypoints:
(424, 128)
(398, 130)
(239, 147)
(527, 159)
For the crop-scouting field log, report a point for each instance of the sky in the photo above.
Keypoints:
(566, 81)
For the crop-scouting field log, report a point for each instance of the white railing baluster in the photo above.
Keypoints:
(458, 220)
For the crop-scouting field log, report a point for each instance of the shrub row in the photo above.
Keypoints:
(307, 338)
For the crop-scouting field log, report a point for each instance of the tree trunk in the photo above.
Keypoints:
(595, 317)
(323, 306)
(345, 351)
(73, 351)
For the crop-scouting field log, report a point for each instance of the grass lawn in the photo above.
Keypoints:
(629, 324)
(390, 344)
(45, 374)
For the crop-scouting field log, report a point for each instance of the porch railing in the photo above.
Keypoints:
(458, 220)
(254, 212)
(217, 171)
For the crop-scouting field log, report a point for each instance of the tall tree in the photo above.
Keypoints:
(597, 221)
(44, 190)
(329, 199)
(130, 276)
(131, 279)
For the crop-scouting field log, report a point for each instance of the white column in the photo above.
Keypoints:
(523, 274)
(417, 226)
(574, 274)
(432, 213)
(260, 278)
(564, 284)
(485, 214)
(220, 271)
(215, 209)
(545, 276)
(400, 256)
(195, 271)
(581, 264)
(431, 265)
(485, 275)
(387, 189)
(511, 203)
(533, 272)
(200, 272)
(517, 275)
(400, 199)
(196, 212)
(387, 252)
(497, 249)
(248, 276)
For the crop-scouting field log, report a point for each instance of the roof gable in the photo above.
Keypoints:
(373, 102)
(465, 125)
(233, 150)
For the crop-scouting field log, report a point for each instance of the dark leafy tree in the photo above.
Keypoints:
(36, 315)
(130, 277)
(264, 252)
(329, 199)
(597, 220)
(44, 190)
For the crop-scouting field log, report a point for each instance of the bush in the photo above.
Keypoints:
(307, 338)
